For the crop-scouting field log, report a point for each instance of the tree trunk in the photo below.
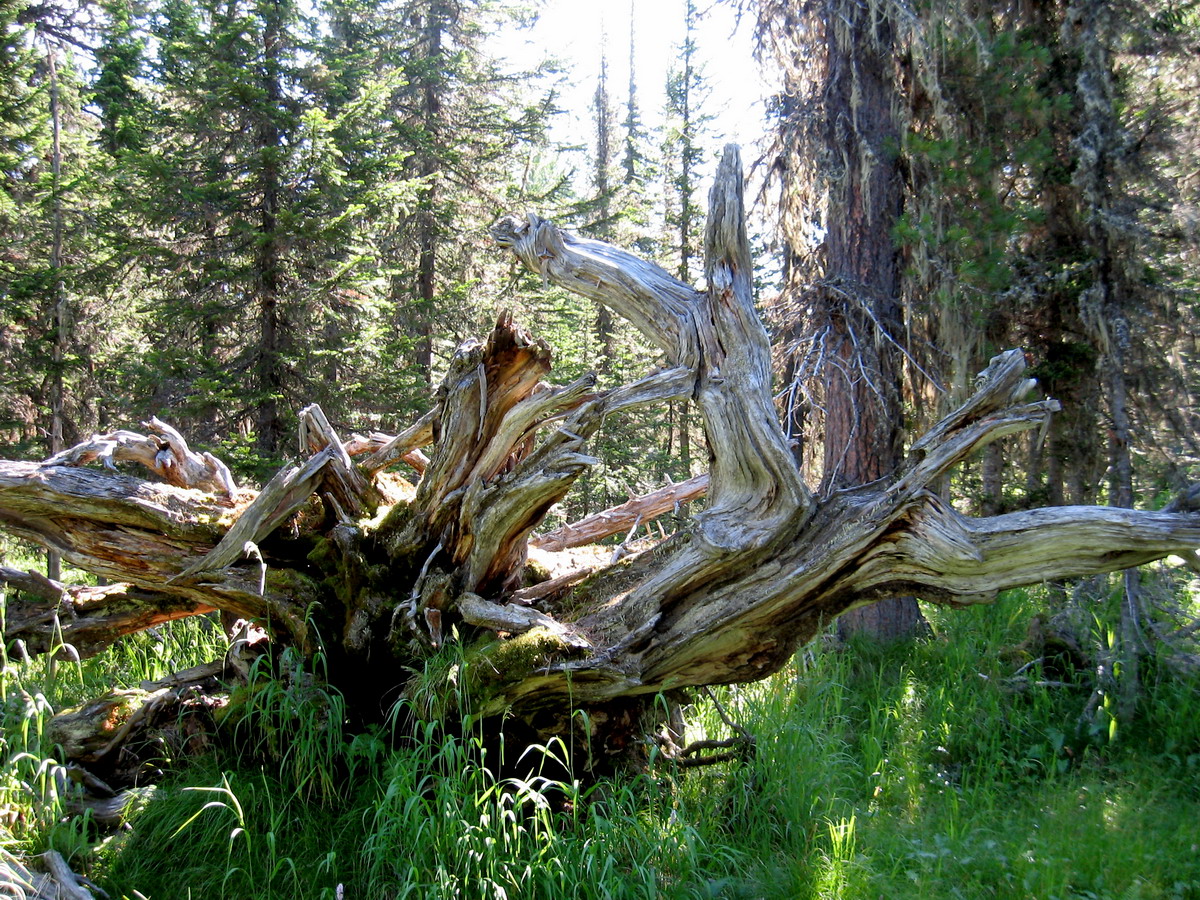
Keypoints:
(858, 302)
(269, 263)
(59, 319)
(388, 580)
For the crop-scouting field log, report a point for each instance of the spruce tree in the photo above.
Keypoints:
(687, 91)
(460, 119)
(23, 127)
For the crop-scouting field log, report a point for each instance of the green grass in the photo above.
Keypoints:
(912, 772)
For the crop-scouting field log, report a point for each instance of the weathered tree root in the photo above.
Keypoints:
(57, 883)
(385, 583)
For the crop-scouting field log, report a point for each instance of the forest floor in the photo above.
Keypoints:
(929, 770)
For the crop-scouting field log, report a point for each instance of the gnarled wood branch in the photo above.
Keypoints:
(766, 564)
(164, 452)
(85, 619)
(623, 517)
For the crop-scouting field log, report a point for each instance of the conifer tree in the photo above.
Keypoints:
(683, 155)
(837, 151)
(267, 178)
(687, 123)
(118, 90)
(459, 119)
(640, 193)
(46, 205)
(23, 122)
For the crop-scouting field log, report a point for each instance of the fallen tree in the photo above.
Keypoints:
(385, 578)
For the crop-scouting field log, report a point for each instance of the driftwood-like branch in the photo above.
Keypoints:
(343, 482)
(164, 452)
(385, 451)
(68, 883)
(622, 518)
(515, 619)
(146, 535)
(85, 619)
(57, 883)
(34, 584)
(715, 335)
(734, 606)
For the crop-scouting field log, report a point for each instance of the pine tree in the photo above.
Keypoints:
(687, 91)
(1020, 191)
(118, 90)
(23, 124)
(46, 206)
(263, 184)
(634, 162)
(640, 192)
(461, 120)
(226, 118)
(687, 124)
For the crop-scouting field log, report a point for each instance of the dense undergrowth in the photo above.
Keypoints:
(919, 771)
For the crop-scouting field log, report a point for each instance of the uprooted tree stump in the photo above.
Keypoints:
(384, 577)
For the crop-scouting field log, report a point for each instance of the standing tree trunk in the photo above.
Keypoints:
(850, 294)
(1100, 146)
(268, 265)
(59, 317)
(434, 580)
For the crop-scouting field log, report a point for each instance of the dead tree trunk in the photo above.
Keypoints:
(392, 576)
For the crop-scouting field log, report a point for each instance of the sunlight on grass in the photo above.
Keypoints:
(908, 772)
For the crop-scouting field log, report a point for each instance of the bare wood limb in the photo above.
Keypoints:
(956, 557)
(128, 530)
(515, 619)
(993, 412)
(33, 583)
(24, 884)
(219, 668)
(416, 436)
(353, 491)
(621, 518)
(550, 586)
(755, 485)
(164, 452)
(276, 502)
(384, 450)
(658, 387)
(90, 619)
(68, 885)
(656, 303)
(112, 811)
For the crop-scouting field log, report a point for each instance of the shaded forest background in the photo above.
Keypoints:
(218, 213)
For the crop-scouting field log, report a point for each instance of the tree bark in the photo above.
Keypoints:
(863, 415)
(841, 151)
(392, 576)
